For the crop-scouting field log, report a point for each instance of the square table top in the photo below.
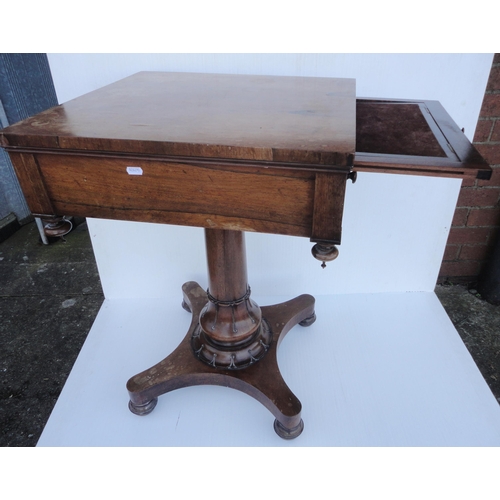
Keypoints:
(240, 117)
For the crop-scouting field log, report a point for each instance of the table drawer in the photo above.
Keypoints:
(268, 200)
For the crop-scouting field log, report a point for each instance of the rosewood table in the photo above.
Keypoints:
(228, 153)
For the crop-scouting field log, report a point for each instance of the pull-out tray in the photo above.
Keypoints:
(413, 137)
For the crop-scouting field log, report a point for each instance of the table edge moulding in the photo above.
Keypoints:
(230, 154)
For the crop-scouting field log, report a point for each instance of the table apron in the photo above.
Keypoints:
(281, 201)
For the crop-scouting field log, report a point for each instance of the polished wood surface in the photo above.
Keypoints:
(244, 117)
(232, 152)
(262, 381)
(268, 200)
(329, 192)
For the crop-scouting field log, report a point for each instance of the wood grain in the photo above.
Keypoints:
(277, 201)
(205, 115)
(32, 184)
(328, 207)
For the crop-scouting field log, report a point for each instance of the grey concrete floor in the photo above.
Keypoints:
(478, 324)
(50, 295)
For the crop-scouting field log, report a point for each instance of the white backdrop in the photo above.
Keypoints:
(394, 229)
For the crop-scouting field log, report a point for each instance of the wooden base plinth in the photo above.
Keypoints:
(261, 380)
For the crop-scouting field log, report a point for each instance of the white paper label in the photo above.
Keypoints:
(134, 170)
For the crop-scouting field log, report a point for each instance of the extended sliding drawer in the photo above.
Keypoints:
(413, 137)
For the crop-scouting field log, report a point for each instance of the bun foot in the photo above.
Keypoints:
(285, 433)
(309, 320)
(144, 409)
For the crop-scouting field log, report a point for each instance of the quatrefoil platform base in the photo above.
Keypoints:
(262, 380)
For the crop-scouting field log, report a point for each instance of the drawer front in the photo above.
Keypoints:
(153, 191)
(268, 200)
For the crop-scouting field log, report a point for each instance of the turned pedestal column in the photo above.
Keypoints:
(231, 333)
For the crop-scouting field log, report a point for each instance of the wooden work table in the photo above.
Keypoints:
(229, 153)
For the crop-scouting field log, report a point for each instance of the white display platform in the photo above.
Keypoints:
(386, 369)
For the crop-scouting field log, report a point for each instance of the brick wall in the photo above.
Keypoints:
(477, 216)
